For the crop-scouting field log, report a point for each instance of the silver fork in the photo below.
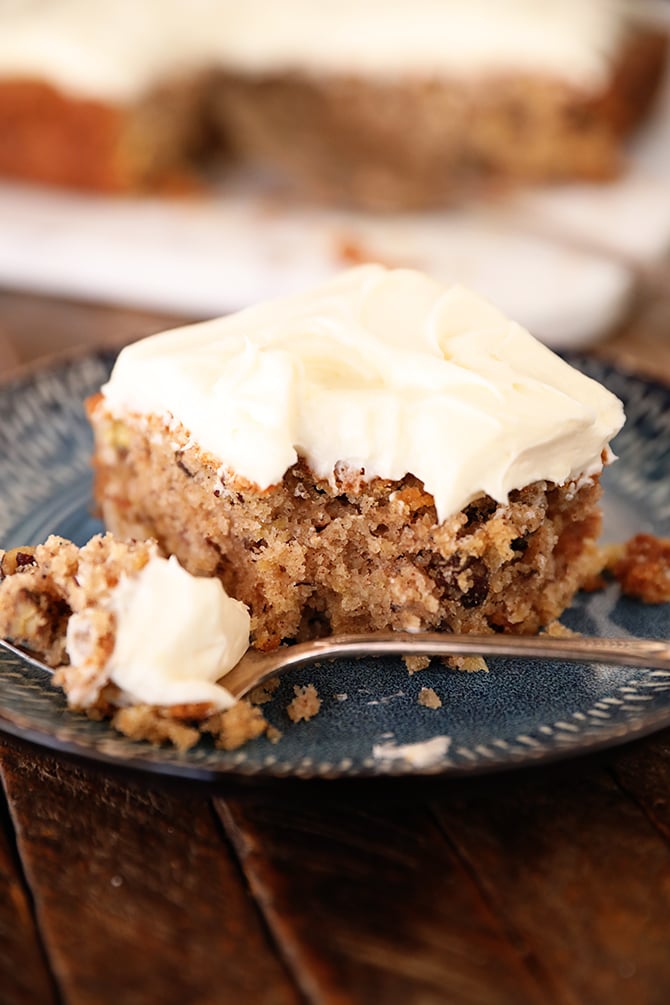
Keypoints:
(256, 667)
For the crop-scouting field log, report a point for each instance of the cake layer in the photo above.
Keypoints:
(310, 557)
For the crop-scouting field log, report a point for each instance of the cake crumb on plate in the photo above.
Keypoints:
(416, 663)
(468, 664)
(306, 703)
(429, 698)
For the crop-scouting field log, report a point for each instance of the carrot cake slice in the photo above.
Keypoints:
(383, 452)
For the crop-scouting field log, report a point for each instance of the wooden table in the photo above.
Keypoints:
(549, 885)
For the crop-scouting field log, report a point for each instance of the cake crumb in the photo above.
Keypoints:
(146, 722)
(559, 631)
(306, 703)
(273, 734)
(416, 663)
(264, 693)
(236, 725)
(468, 664)
(642, 568)
(429, 698)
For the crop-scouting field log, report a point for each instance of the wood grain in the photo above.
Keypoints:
(39, 326)
(24, 973)
(370, 904)
(643, 771)
(579, 876)
(138, 898)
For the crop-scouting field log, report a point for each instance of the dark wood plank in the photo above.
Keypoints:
(369, 902)
(643, 770)
(578, 874)
(138, 896)
(24, 974)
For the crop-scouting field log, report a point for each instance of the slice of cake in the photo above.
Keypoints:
(383, 452)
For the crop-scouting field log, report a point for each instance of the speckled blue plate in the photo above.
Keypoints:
(370, 722)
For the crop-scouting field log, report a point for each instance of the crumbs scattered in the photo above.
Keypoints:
(273, 734)
(342, 696)
(416, 663)
(306, 703)
(429, 698)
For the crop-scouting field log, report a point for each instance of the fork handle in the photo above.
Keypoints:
(651, 653)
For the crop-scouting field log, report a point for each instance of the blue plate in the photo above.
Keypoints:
(370, 721)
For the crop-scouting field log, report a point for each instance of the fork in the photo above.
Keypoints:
(256, 667)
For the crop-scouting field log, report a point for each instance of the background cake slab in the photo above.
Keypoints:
(564, 262)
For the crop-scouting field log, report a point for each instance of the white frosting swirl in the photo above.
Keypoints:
(118, 51)
(382, 370)
(176, 635)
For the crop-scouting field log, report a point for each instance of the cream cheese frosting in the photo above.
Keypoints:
(176, 636)
(118, 51)
(382, 370)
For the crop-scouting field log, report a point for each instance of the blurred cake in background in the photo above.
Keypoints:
(396, 104)
(383, 103)
(103, 96)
